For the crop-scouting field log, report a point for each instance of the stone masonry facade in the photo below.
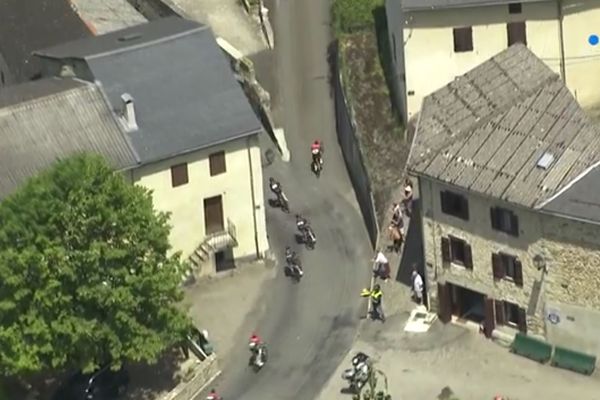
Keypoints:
(571, 250)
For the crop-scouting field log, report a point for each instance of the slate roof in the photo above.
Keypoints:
(486, 131)
(185, 94)
(27, 25)
(414, 5)
(46, 120)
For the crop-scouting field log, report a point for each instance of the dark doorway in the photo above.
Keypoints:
(224, 260)
(467, 304)
(213, 215)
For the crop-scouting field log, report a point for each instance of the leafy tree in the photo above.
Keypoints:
(84, 273)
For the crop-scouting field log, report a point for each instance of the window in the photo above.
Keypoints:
(508, 267)
(510, 314)
(515, 8)
(456, 251)
(517, 33)
(455, 204)
(463, 39)
(179, 175)
(217, 163)
(505, 221)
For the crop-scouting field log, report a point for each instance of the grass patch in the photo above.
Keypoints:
(351, 16)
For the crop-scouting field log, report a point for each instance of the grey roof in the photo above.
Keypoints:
(414, 5)
(46, 120)
(486, 131)
(26, 26)
(581, 200)
(185, 94)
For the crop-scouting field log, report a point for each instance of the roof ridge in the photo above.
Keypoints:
(488, 118)
(149, 43)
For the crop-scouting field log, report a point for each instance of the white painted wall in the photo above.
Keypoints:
(238, 185)
(431, 63)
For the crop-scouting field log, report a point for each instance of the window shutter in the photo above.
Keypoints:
(445, 249)
(468, 256)
(499, 306)
(497, 267)
(464, 203)
(522, 317)
(518, 272)
(494, 217)
(514, 224)
(489, 323)
(444, 303)
(444, 201)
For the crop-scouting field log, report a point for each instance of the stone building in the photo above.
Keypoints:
(508, 166)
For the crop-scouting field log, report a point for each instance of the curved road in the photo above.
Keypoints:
(310, 326)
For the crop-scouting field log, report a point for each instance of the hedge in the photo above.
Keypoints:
(354, 15)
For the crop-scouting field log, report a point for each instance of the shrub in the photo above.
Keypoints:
(354, 15)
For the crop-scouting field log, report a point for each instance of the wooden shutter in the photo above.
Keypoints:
(489, 323)
(494, 217)
(179, 175)
(444, 201)
(468, 256)
(216, 163)
(499, 306)
(518, 272)
(464, 205)
(522, 320)
(497, 266)
(446, 257)
(514, 224)
(463, 39)
(444, 303)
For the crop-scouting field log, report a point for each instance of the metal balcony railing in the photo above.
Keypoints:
(223, 239)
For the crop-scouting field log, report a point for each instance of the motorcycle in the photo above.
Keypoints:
(293, 267)
(316, 165)
(283, 203)
(358, 375)
(259, 357)
(281, 200)
(309, 238)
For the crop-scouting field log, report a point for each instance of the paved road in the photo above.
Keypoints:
(308, 327)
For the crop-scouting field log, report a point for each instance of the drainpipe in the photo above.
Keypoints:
(561, 40)
(253, 194)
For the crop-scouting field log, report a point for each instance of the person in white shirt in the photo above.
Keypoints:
(417, 286)
(381, 268)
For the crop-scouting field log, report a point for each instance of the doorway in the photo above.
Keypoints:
(224, 260)
(213, 215)
(467, 304)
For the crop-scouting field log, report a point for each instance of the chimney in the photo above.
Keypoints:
(128, 111)
(66, 71)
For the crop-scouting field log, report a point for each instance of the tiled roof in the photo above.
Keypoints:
(487, 130)
(185, 94)
(409, 5)
(46, 120)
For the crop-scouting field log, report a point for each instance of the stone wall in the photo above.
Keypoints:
(572, 251)
(203, 374)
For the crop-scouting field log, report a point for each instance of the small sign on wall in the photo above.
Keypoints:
(553, 316)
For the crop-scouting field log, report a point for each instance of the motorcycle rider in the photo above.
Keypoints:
(316, 150)
(293, 262)
(301, 223)
(256, 346)
(213, 395)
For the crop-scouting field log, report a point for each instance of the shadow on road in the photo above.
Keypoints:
(413, 247)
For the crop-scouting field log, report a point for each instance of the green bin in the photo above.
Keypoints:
(532, 348)
(573, 360)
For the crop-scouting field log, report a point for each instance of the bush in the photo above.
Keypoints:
(354, 15)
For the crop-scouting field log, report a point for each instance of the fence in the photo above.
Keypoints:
(348, 140)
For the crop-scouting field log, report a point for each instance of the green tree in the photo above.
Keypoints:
(354, 15)
(84, 273)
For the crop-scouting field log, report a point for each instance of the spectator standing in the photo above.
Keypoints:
(417, 286)
(381, 269)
